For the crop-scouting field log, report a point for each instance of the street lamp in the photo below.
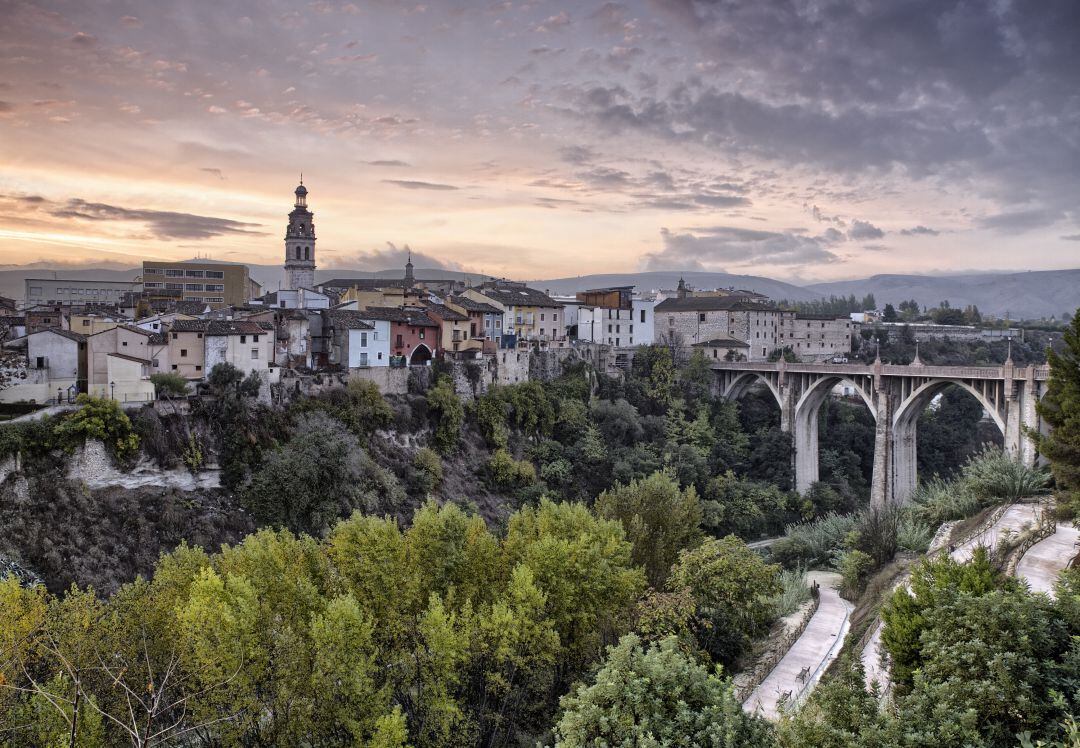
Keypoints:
(112, 390)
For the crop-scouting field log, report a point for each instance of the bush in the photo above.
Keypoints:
(855, 567)
(876, 533)
(102, 419)
(654, 696)
(168, 384)
(794, 591)
(507, 473)
(995, 474)
(444, 403)
(936, 501)
(814, 542)
(427, 470)
(913, 535)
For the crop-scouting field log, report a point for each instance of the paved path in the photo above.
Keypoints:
(1043, 562)
(811, 653)
(1012, 520)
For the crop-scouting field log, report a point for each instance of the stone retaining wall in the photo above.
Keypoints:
(777, 646)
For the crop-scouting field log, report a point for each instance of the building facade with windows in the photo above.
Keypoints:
(77, 292)
(214, 283)
(355, 342)
(249, 346)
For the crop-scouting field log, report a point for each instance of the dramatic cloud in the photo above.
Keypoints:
(162, 224)
(410, 184)
(392, 258)
(707, 248)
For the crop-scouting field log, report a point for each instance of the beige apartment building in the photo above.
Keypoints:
(213, 283)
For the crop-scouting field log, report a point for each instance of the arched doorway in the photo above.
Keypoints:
(420, 356)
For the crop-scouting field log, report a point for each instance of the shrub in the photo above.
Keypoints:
(168, 384)
(876, 533)
(794, 591)
(936, 501)
(855, 566)
(995, 474)
(914, 535)
(427, 472)
(506, 473)
(100, 418)
(814, 542)
(490, 414)
(444, 403)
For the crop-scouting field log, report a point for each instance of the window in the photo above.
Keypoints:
(194, 274)
(380, 355)
(86, 323)
(155, 363)
(174, 273)
(152, 271)
(183, 352)
(124, 344)
(174, 367)
(671, 321)
(254, 353)
(363, 340)
(254, 338)
(215, 273)
(174, 336)
(198, 368)
(541, 316)
(363, 359)
(151, 285)
(243, 338)
(174, 286)
(399, 341)
(642, 315)
(554, 317)
(215, 287)
(40, 362)
(617, 328)
(421, 334)
(193, 286)
(631, 329)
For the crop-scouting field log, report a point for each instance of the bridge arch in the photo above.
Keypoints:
(908, 411)
(738, 386)
(806, 425)
(905, 429)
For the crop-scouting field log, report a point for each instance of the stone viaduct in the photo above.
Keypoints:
(895, 396)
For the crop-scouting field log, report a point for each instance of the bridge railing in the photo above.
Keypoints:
(895, 370)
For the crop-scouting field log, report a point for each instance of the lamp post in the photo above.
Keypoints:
(112, 390)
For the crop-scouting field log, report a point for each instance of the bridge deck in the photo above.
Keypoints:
(894, 370)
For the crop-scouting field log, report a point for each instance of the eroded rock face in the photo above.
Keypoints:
(68, 532)
(92, 466)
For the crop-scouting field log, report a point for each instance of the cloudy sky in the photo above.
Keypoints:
(802, 139)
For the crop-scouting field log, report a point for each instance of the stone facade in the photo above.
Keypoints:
(300, 244)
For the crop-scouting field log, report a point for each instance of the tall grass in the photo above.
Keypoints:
(993, 474)
(914, 535)
(813, 542)
(936, 501)
(794, 591)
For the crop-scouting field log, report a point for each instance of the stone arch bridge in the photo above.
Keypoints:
(895, 396)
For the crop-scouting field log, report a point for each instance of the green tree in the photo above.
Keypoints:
(654, 696)
(319, 476)
(449, 413)
(890, 315)
(659, 519)
(169, 384)
(102, 419)
(731, 586)
(1060, 408)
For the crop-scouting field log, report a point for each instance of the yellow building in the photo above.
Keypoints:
(214, 283)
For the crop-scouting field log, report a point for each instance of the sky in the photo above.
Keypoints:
(804, 140)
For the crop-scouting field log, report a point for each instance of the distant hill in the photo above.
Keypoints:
(669, 279)
(1034, 294)
(1029, 295)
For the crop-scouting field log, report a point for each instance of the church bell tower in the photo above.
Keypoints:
(300, 244)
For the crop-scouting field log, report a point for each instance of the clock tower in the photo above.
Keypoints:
(300, 244)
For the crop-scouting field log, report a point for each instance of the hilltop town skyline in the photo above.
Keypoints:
(535, 140)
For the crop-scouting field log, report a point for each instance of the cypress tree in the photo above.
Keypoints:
(1060, 408)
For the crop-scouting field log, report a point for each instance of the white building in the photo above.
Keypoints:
(355, 341)
(246, 345)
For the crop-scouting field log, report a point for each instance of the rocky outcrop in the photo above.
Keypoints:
(92, 466)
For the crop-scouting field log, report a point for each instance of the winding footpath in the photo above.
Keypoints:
(1013, 521)
(795, 675)
(1046, 559)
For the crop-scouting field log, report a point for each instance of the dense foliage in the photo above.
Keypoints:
(1060, 408)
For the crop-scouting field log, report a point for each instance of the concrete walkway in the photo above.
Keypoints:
(809, 655)
(1012, 520)
(1043, 562)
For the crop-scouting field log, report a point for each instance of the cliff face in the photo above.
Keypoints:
(89, 524)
